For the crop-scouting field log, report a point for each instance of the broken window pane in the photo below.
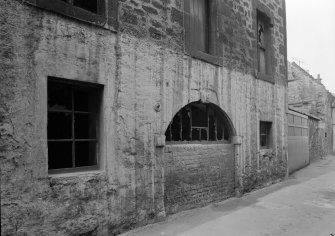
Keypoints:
(59, 96)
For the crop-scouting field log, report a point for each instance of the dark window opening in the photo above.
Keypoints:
(198, 122)
(89, 5)
(265, 131)
(73, 109)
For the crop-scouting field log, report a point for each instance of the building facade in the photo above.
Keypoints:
(115, 114)
(307, 94)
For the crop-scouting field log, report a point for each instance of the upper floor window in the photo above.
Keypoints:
(263, 43)
(199, 122)
(73, 114)
(99, 12)
(201, 26)
(89, 5)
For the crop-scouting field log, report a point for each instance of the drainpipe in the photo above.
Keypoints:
(237, 141)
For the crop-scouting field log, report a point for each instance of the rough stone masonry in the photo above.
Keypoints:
(137, 51)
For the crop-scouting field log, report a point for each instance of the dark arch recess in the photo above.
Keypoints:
(200, 122)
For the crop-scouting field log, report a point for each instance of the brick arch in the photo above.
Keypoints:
(201, 172)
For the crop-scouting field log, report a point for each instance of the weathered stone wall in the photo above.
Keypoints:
(197, 174)
(147, 78)
(316, 145)
(36, 44)
(309, 95)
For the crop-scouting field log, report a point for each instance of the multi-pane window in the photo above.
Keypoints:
(198, 122)
(201, 30)
(265, 134)
(73, 112)
(263, 42)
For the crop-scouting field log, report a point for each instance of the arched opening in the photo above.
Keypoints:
(199, 164)
(199, 122)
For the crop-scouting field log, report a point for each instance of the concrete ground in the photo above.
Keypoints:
(302, 205)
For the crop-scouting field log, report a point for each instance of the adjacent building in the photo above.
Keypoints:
(115, 114)
(308, 95)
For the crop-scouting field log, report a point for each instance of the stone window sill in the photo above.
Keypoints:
(265, 77)
(74, 12)
(216, 60)
(76, 174)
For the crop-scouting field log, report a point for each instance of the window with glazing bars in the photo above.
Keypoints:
(73, 113)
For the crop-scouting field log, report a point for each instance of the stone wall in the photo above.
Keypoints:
(309, 95)
(196, 175)
(316, 145)
(147, 78)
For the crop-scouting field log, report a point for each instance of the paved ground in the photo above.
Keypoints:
(302, 205)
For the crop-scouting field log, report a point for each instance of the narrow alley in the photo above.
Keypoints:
(302, 205)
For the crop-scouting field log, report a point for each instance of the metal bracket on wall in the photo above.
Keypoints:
(159, 140)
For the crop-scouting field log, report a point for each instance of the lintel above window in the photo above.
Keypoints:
(98, 12)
